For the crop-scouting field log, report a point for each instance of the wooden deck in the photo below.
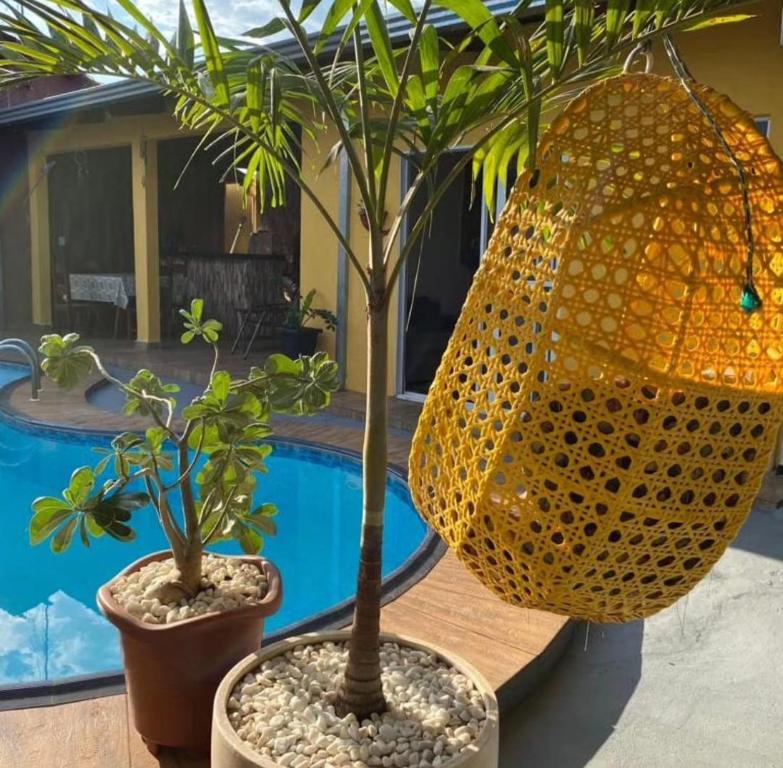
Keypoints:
(512, 647)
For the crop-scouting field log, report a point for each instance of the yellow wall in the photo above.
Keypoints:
(744, 61)
(318, 244)
(357, 316)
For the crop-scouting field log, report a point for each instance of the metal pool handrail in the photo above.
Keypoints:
(20, 345)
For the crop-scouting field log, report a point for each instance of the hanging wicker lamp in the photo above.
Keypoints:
(600, 422)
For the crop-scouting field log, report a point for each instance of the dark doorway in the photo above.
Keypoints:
(190, 200)
(15, 281)
(91, 211)
(439, 273)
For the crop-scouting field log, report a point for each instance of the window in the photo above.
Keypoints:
(764, 124)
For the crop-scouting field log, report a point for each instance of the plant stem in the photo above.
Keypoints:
(361, 691)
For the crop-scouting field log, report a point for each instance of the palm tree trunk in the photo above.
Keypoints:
(361, 691)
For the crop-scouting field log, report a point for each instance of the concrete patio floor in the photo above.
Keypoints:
(698, 685)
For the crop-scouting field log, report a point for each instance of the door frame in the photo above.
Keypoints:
(401, 392)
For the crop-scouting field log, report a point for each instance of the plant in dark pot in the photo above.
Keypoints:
(296, 336)
(185, 616)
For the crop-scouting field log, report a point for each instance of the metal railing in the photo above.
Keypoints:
(21, 346)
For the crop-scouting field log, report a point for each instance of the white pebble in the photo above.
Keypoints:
(285, 711)
(226, 583)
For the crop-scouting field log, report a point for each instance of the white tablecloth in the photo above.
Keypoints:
(114, 289)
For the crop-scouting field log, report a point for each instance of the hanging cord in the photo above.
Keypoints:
(750, 300)
(643, 49)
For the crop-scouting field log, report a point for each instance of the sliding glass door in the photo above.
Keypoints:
(438, 275)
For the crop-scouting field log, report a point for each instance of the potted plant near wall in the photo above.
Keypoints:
(296, 336)
(185, 616)
(360, 693)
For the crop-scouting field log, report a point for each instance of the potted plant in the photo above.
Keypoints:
(296, 336)
(483, 91)
(185, 616)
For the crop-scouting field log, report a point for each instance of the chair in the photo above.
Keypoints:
(129, 315)
(173, 273)
(262, 320)
(73, 312)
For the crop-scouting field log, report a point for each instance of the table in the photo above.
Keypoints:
(111, 288)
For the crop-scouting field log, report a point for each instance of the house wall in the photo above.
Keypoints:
(319, 259)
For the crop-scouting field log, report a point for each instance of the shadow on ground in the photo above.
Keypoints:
(564, 723)
(698, 685)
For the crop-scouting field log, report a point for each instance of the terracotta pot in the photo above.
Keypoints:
(229, 751)
(173, 670)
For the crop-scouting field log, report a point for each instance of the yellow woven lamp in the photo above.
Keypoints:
(602, 417)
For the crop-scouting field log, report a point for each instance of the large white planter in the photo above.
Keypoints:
(229, 751)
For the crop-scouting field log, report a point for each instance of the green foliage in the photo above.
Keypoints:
(302, 311)
(82, 507)
(148, 393)
(209, 330)
(220, 450)
(65, 361)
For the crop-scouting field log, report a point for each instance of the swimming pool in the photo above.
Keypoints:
(50, 628)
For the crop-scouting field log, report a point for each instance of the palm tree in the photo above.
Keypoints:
(492, 87)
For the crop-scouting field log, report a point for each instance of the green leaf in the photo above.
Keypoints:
(48, 514)
(65, 361)
(616, 12)
(185, 42)
(662, 9)
(583, 26)
(103, 464)
(479, 18)
(187, 337)
(272, 27)
(145, 23)
(93, 528)
(214, 60)
(405, 7)
(719, 20)
(64, 536)
(126, 502)
(265, 524)
(146, 393)
(308, 6)
(533, 119)
(249, 539)
(555, 35)
(221, 385)
(381, 45)
(267, 510)
(429, 55)
(278, 364)
(83, 533)
(338, 10)
(643, 10)
(81, 485)
(197, 309)
(156, 436)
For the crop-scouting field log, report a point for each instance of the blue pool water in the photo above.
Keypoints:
(50, 627)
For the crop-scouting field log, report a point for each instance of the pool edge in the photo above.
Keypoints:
(79, 688)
